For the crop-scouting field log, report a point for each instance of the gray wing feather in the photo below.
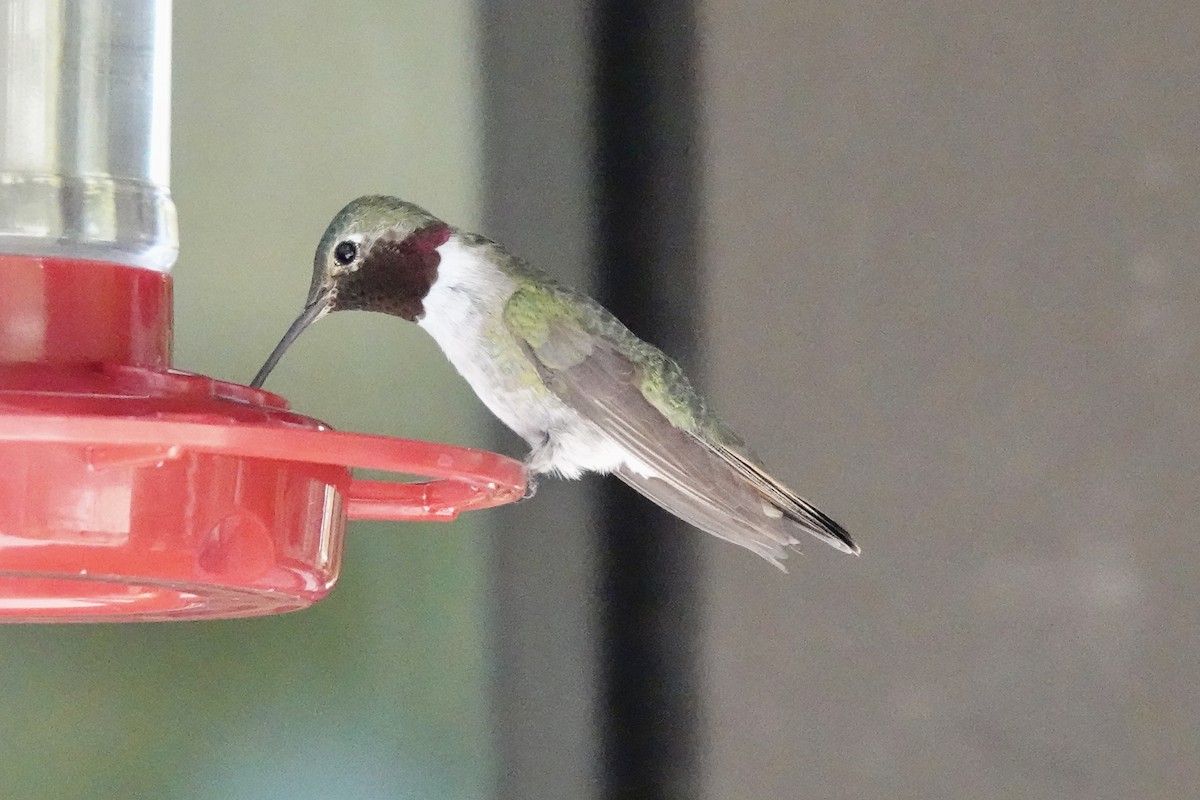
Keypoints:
(707, 516)
(709, 484)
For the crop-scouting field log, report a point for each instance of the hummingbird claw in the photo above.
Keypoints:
(539, 457)
(531, 487)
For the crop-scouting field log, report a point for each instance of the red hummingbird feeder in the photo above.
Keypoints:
(129, 490)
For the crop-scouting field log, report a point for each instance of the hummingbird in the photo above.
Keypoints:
(557, 368)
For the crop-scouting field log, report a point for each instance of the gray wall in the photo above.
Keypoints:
(953, 286)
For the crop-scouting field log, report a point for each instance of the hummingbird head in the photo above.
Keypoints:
(378, 254)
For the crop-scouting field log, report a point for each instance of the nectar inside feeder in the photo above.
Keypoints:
(129, 490)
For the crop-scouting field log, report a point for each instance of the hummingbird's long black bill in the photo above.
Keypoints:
(311, 313)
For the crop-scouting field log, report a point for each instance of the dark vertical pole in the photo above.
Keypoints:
(536, 68)
(647, 198)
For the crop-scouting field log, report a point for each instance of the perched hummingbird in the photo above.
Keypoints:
(557, 368)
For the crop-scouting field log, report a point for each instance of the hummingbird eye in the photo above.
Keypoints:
(345, 253)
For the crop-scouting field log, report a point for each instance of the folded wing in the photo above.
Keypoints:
(694, 468)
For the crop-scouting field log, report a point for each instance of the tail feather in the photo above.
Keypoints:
(793, 507)
(736, 512)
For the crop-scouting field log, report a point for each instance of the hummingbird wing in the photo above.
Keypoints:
(694, 467)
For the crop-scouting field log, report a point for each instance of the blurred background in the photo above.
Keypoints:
(936, 261)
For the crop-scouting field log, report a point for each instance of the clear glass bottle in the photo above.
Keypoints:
(85, 94)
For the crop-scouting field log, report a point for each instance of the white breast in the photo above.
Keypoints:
(464, 315)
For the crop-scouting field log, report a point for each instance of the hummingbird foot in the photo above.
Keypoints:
(541, 456)
(537, 462)
(531, 486)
